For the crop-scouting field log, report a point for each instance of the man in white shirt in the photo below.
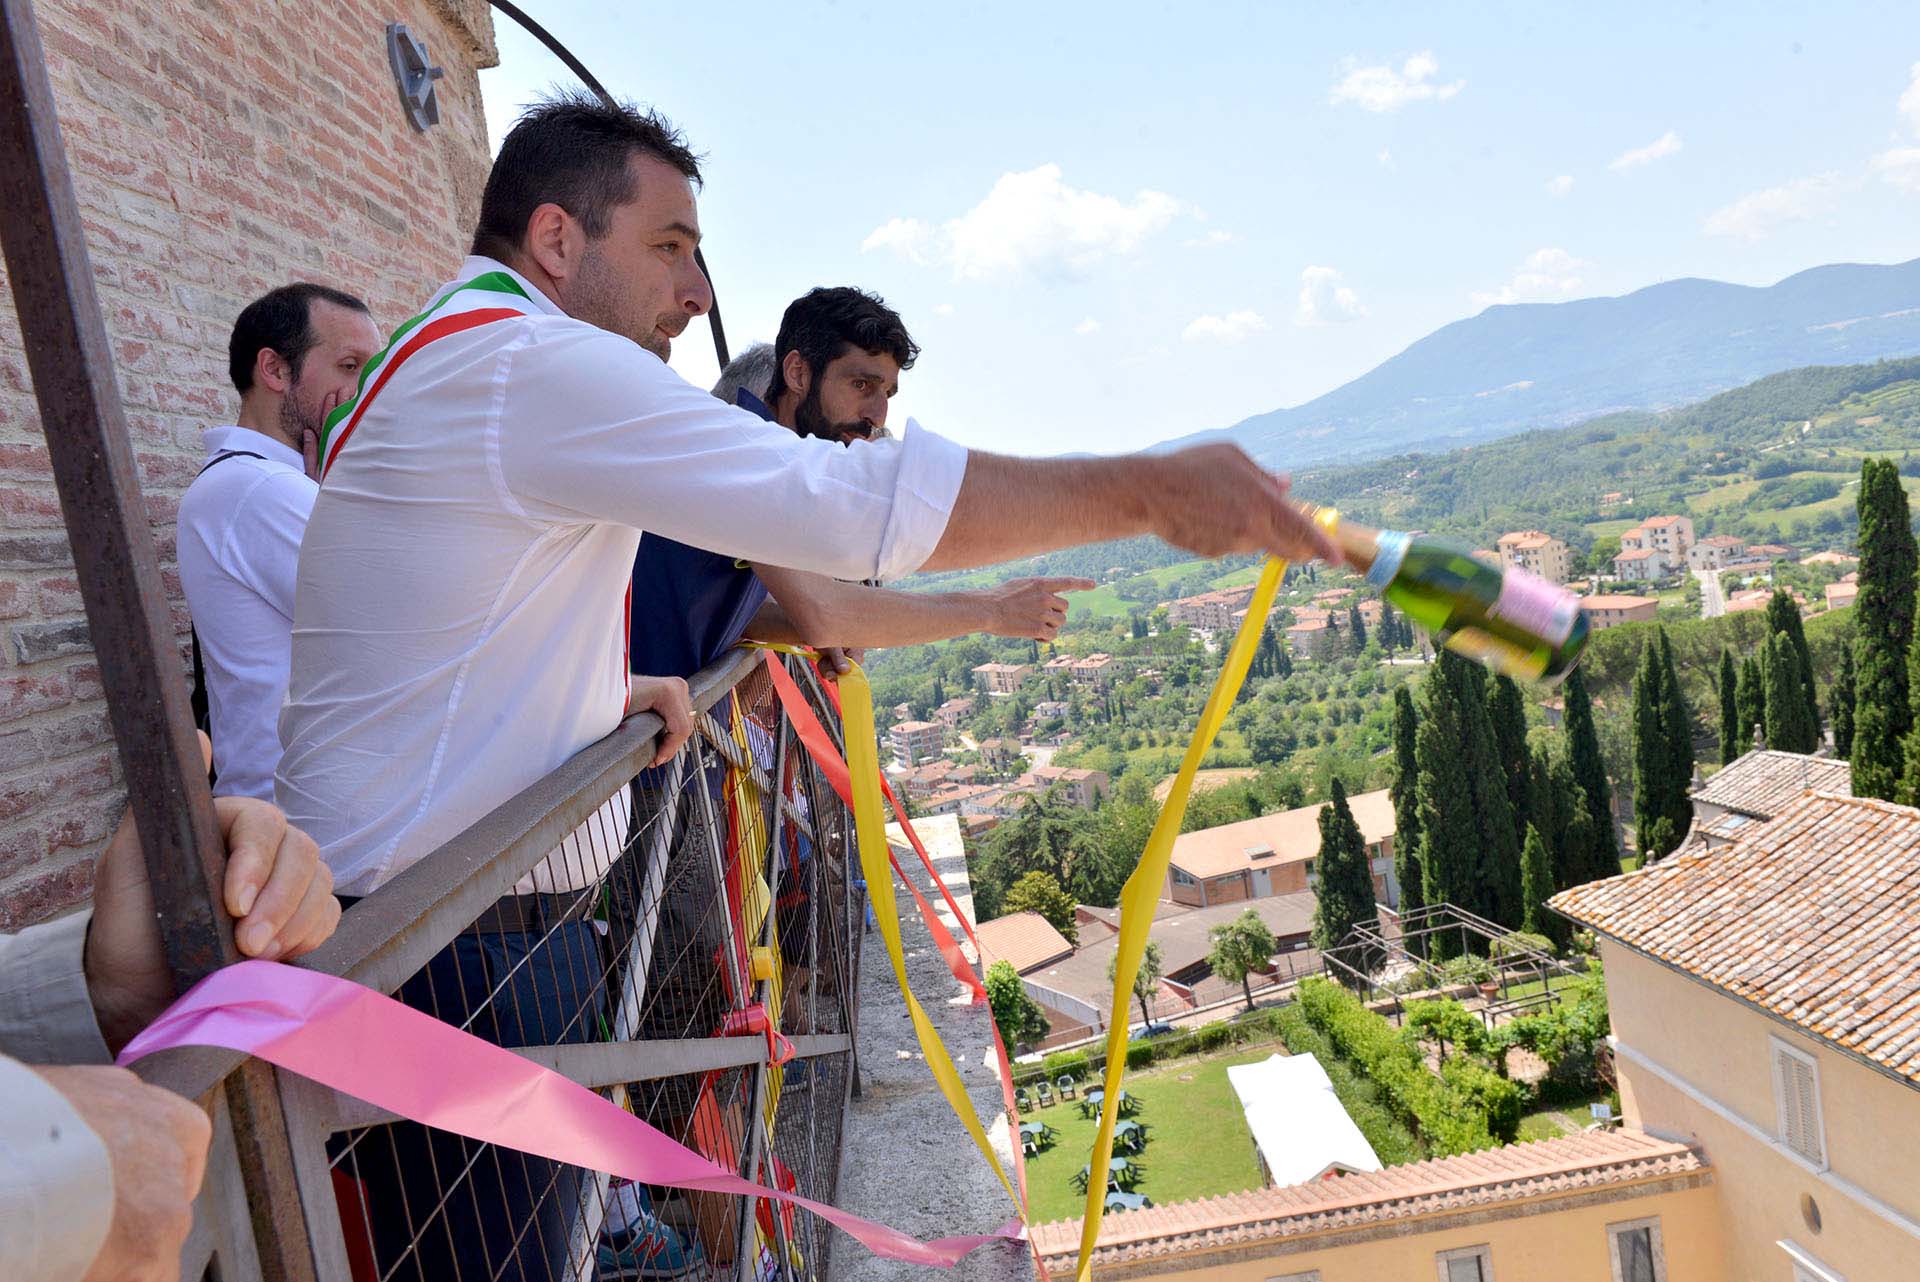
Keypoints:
(295, 353)
(460, 627)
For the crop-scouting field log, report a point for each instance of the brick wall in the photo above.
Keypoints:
(218, 148)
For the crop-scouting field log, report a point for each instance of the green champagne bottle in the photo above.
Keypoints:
(1514, 622)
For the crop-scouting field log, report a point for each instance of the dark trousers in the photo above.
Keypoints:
(442, 1207)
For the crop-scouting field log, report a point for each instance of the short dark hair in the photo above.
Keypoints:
(822, 324)
(572, 151)
(280, 319)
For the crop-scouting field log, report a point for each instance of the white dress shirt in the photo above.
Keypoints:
(460, 626)
(241, 523)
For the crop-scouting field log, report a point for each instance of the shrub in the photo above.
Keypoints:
(1451, 1119)
(1518, 942)
(1064, 1063)
(1392, 1142)
(1139, 1055)
(1468, 969)
(1496, 1098)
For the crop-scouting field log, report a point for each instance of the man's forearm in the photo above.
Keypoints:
(1014, 507)
(810, 609)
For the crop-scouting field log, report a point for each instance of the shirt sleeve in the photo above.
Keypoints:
(56, 1181)
(46, 1014)
(264, 536)
(592, 427)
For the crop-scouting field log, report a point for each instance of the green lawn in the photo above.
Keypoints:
(1553, 983)
(1197, 1140)
(1551, 1123)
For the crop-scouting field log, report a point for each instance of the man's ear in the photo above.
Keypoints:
(271, 371)
(795, 376)
(556, 242)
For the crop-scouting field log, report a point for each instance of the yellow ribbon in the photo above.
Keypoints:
(863, 769)
(1140, 896)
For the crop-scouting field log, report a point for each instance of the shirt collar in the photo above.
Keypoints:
(748, 401)
(480, 265)
(219, 440)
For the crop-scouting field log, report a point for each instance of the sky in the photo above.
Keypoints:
(1108, 225)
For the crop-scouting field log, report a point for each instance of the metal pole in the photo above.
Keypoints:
(127, 612)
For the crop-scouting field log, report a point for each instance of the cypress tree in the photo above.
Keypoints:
(1677, 720)
(1788, 726)
(1449, 840)
(1649, 746)
(1783, 619)
(1497, 881)
(1536, 881)
(1406, 802)
(1752, 698)
(1508, 713)
(1344, 898)
(1602, 849)
(1883, 632)
(1732, 741)
(1841, 706)
(1358, 637)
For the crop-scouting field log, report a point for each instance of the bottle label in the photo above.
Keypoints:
(1498, 653)
(1392, 545)
(1535, 606)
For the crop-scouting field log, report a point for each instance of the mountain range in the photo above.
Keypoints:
(1532, 365)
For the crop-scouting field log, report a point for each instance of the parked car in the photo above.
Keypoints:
(1158, 1028)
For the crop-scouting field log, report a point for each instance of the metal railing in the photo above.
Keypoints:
(647, 953)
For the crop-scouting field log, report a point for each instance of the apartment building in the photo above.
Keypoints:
(1210, 611)
(1002, 678)
(1536, 552)
(1611, 609)
(1716, 552)
(1275, 855)
(1641, 565)
(916, 741)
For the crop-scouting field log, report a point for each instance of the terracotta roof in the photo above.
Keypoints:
(1639, 554)
(1472, 1182)
(1292, 835)
(1764, 783)
(1185, 938)
(1617, 601)
(1026, 940)
(911, 727)
(1809, 917)
(1660, 522)
(1723, 541)
(1525, 539)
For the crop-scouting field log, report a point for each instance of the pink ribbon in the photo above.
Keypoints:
(322, 1027)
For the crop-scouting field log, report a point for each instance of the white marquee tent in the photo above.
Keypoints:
(1298, 1125)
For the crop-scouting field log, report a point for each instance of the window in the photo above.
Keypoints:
(1635, 1251)
(1805, 1267)
(1465, 1264)
(1796, 1095)
(1181, 878)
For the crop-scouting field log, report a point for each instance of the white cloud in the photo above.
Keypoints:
(1031, 221)
(1900, 166)
(1325, 299)
(1087, 326)
(1910, 102)
(1548, 276)
(1755, 215)
(1665, 145)
(943, 309)
(1385, 158)
(1231, 328)
(1560, 186)
(1381, 88)
(1212, 240)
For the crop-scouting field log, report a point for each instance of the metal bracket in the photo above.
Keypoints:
(414, 72)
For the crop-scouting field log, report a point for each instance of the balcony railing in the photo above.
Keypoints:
(654, 945)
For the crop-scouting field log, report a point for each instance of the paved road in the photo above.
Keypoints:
(1712, 603)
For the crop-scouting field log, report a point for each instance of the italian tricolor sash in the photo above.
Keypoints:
(480, 301)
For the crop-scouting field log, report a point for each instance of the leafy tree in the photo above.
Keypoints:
(1048, 835)
(1601, 857)
(1018, 1016)
(1841, 706)
(1677, 718)
(1241, 947)
(1344, 898)
(1357, 635)
(1446, 1023)
(1406, 803)
(1883, 632)
(1662, 747)
(1733, 741)
(1662, 840)
(1462, 796)
(1146, 981)
(1789, 727)
(1537, 886)
(1039, 892)
(1751, 695)
(1783, 619)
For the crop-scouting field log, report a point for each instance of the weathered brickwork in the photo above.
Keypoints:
(218, 148)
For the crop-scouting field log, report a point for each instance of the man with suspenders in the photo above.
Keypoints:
(296, 353)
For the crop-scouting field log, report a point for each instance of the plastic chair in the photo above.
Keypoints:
(1021, 1100)
(1044, 1094)
(1066, 1085)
